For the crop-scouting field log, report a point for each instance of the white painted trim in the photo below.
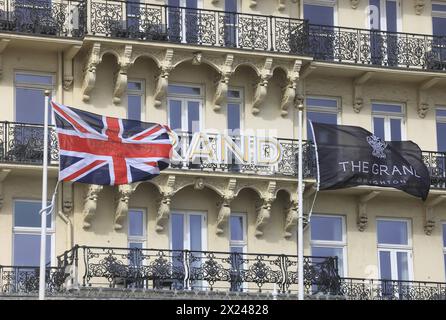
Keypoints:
(142, 94)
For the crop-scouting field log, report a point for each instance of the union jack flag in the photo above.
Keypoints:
(103, 150)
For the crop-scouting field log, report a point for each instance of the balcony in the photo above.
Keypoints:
(22, 144)
(200, 27)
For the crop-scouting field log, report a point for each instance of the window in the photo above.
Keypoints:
(135, 100)
(388, 121)
(26, 234)
(234, 111)
(322, 13)
(185, 103)
(30, 97)
(328, 239)
(237, 246)
(444, 246)
(183, 23)
(441, 128)
(231, 22)
(394, 249)
(323, 110)
(439, 19)
(136, 234)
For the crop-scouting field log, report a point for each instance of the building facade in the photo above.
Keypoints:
(236, 70)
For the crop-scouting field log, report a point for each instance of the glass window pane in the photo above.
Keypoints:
(321, 117)
(385, 267)
(177, 224)
(438, 7)
(441, 113)
(231, 5)
(378, 127)
(26, 214)
(175, 115)
(330, 252)
(391, 16)
(375, 21)
(30, 106)
(387, 108)
(439, 26)
(135, 256)
(444, 235)
(134, 85)
(234, 118)
(193, 116)
(237, 233)
(183, 90)
(395, 129)
(27, 249)
(392, 232)
(317, 102)
(135, 245)
(403, 265)
(233, 94)
(134, 107)
(195, 233)
(136, 223)
(323, 15)
(441, 136)
(33, 79)
(326, 228)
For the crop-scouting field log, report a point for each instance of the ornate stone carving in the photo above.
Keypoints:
(419, 6)
(199, 184)
(163, 79)
(280, 5)
(90, 71)
(253, 4)
(261, 87)
(423, 104)
(289, 91)
(423, 108)
(68, 56)
(67, 197)
(225, 206)
(125, 61)
(221, 90)
(90, 203)
(358, 101)
(3, 174)
(362, 220)
(429, 220)
(354, 3)
(122, 203)
(264, 210)
(197, 58)
(291, 217)
(215, 2)
(167, 191)
(3, 44)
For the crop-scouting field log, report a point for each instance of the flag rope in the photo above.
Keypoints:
(49, 209)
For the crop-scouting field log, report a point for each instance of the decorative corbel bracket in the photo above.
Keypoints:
(3, 174)
(264, 210)
(225, 206)
(162, 80)
(280, 5)
(362, 220)
(358, 84)
(3, 44)
(423, 104)
(253, 4)
(67, 197)
(90, 71)
(215, 2)
(90, 203)
(289, 91)
(291, 215)
(429, 222)
(221, 90)
(125, 61)
(261, 88)
(167, 191)
(68, 56)
(122, 203)
(419, 6)
(354, 3)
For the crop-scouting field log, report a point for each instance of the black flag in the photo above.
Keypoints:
(350, 156)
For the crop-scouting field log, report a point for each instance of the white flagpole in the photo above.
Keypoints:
(300, 227)
(43, 212)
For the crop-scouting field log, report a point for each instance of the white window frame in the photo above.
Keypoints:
(137, 239)
(184, 98)
(443, 224)
(34, 230)
(383, 16)
(241, 102)
(186, 228)
(331, 243)
(240, 243)
(320, 109)
(438, 14)
(182, 4)
(440, 119)
(394, 248)
(387, 116)
(31, 85)
(140, 93)
(323, 3)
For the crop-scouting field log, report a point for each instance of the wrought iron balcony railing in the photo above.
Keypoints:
(191, 26)
(365, 289)
(23, 144)
(198, 270)
(63, 18)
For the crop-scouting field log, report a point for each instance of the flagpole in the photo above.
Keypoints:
(43, 212)
(300, 227)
